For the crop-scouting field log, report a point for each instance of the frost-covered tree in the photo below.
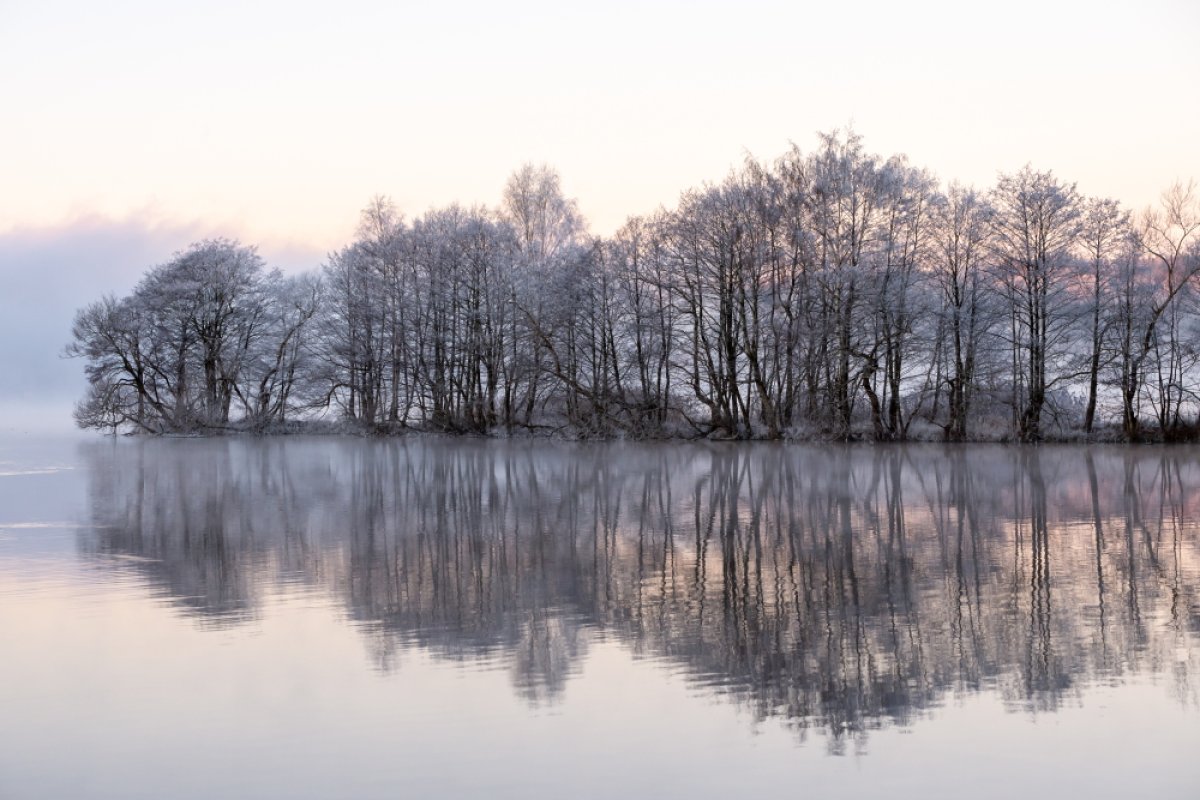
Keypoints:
(551, 255)
(205, 337)
(1170, 237)
(1035, 226)
(1104, 230)
(1156, 324)
(113, 337)
(962, 228)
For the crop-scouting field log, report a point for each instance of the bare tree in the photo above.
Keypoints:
(1035, 225)
(1105, 227)
(962, 230)
(206, 329)
(1170, 237)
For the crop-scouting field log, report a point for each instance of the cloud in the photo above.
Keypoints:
(47, 273)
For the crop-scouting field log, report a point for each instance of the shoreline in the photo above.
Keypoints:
(556, 436)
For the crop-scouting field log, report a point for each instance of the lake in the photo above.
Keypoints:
(356, 618)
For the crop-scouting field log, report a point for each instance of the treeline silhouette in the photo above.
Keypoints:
(838, 590)
(829, 294)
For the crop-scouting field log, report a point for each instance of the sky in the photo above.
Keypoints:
(131, 128)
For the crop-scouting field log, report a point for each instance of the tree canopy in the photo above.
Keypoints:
(834, 293)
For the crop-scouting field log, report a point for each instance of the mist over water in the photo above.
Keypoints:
(510, 610)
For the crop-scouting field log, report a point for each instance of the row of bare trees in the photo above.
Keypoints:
(833, 293)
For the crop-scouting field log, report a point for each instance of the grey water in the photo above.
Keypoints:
(358, 618)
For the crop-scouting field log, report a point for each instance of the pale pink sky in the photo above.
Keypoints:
(276, 121)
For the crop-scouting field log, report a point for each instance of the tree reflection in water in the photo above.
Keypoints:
(837, 587)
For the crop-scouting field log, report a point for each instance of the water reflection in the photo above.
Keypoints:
(835, 588)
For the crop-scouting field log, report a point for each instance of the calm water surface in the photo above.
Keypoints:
(346, 618)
